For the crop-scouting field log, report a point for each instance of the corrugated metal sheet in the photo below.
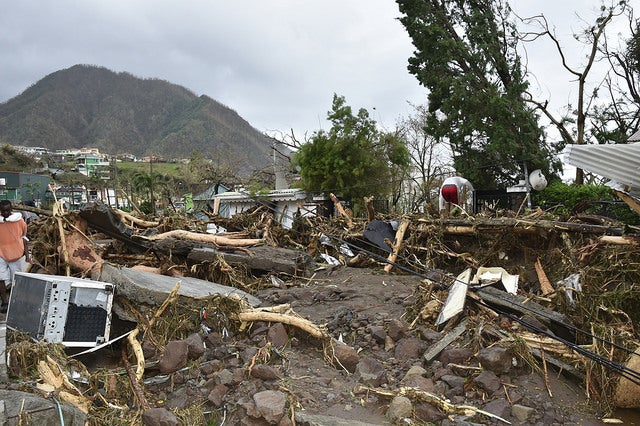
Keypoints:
(618, 162)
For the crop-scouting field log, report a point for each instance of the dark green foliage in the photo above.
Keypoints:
(353, 159)
(13, 161)
(466, 57)
(87, 106)
(566, 200)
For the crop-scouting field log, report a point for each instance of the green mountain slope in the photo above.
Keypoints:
(88, 106)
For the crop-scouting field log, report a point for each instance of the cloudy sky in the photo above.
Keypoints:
(277, 63)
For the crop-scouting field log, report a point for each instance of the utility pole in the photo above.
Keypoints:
(153, 200)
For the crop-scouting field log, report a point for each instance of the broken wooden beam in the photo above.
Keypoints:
(435, 349)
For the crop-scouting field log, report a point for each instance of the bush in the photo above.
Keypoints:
(567, 200)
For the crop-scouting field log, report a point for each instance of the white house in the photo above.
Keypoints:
(285, 203)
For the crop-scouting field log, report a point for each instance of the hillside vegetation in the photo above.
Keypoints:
(89, 106)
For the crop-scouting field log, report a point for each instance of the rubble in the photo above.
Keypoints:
(253, 327)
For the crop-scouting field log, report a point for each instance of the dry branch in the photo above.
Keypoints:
(397, 247)
(545, 284)
(126, 217)
(341, 211)
(301, 323)
(205, 238)
(420, 395)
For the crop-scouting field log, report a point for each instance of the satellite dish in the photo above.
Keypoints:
(537, 180)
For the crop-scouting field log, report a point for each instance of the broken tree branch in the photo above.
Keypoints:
(341, 211)
(204, 238)
(126, 217)
(420, 395)
(397, 247)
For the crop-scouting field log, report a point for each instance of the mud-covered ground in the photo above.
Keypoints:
(374, 369)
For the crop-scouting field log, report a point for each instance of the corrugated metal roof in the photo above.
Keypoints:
(273, 195)
(634, 137)
(618, 162)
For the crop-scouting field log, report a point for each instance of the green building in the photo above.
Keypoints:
(22, 187)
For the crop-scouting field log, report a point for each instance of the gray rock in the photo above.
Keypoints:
(174, 356)
(495, 358)
(409, 348)
(414, 370)
(305, 418)
(195, 346)
(270, 405)
(159, 417)
(371, 372)
(397, 329)
(224, 377)
(378, 333)
(428, 413)
(346, 356)
(41, 411)
(265, 372)
(277, 335)
(521, 412)
(453, 381)
(455, 356)
(400, 408)
(488, 381)
(217, 394)
(498, 407)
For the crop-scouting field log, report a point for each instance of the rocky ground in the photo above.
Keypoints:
(276, 374)
(379, 366)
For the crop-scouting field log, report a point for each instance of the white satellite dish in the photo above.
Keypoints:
(537, 180)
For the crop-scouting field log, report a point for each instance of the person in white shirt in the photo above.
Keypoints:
(454, 190)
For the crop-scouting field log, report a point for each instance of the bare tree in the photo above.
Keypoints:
(593, 36)
(621, 116)
(430, 157)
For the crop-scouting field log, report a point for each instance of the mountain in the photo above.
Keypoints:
(89, 106)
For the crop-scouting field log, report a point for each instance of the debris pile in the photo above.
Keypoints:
(379, 320)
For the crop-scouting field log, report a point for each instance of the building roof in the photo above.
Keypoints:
(274, 195)
(617, 162)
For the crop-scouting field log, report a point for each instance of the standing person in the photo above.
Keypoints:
(14, 250)
(454, 190)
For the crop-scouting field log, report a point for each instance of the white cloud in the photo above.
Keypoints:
(277, 63)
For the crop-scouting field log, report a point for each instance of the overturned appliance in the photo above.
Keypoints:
(73, 311)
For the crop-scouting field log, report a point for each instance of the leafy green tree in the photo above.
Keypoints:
(353, 158)
(466, 57)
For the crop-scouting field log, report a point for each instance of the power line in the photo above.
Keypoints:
(607, 363)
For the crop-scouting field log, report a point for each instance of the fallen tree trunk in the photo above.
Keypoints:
(480, 224)
(204, 238)
(261, 258)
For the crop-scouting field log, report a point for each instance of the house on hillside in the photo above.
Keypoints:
(22, 187)
(93, 165)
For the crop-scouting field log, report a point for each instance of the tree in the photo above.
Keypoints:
(466, 57)
(620, 118)
(429, 157)
(577, 114)
(353, 158)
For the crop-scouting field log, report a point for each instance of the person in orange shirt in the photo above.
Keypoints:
(14, 249)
